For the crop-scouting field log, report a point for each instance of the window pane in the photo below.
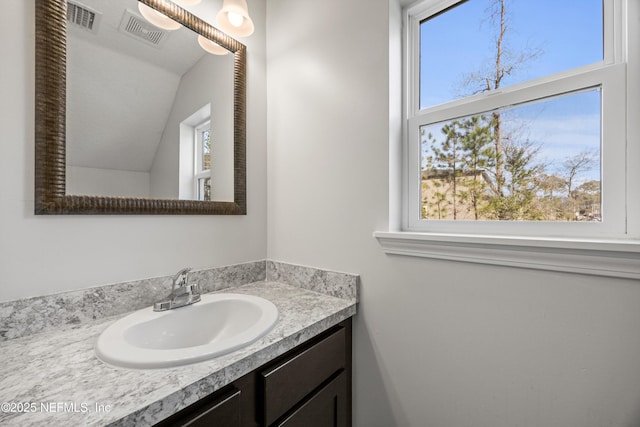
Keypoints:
(206, 150)
(204, 189)
(462, 53)
(536, 162)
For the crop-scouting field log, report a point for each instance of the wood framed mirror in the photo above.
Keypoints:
(51, 180)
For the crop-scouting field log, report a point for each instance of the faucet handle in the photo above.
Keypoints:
(181, 278)
(193, 289)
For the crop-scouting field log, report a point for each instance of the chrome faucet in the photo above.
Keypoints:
(182, 293)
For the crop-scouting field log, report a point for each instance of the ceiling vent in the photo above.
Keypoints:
(83, 17)
(140, 29)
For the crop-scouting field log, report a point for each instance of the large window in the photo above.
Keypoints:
(516, 117)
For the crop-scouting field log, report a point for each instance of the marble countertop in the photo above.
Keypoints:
(55, 378)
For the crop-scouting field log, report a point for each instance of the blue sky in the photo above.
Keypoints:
(566, 33)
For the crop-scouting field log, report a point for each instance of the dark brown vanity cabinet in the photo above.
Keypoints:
(309, 386)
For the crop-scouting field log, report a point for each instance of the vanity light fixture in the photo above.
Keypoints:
(234, 18)
(156, 18)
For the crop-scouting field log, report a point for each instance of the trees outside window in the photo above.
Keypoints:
(515, 114)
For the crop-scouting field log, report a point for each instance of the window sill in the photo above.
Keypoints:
(598, 257)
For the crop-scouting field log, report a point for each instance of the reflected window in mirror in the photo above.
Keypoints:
(206, 156)
(202, 176)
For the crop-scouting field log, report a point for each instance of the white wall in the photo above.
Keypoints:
(47, 254)
(437, 343)
(106, 182)
(123, 116)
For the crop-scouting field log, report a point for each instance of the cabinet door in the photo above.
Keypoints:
(326, 408)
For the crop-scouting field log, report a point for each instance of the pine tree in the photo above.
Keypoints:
(479, 156)
(504, 63)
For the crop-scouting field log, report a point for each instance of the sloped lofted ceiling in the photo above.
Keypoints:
(120, 89)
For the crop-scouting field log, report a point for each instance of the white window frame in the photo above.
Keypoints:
(198, 172)
(610, 248)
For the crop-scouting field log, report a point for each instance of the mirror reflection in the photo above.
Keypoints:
(150, 113)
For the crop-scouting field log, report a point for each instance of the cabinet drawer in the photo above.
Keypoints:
(221, 409)
(289, 381)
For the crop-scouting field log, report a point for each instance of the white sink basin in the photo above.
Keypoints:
(218, 324)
